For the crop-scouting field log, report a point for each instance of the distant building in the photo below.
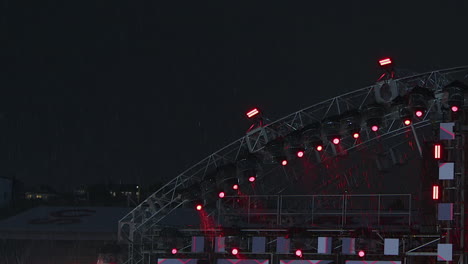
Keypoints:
(128, 194)
(42, 193)
(6, 191)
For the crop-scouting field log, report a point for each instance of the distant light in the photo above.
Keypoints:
(454, 108)
(300, 154)
(199, 207)
(284, 162)
(375, 128)
(174, 251)
(235, 251)
(385, 61)
(221, 195)
(251, 178)
(361, 253)
(407, 122)
(336, 141)
(356, 135)
(435, 192)
(235, 187)
(419, 113)
(319, 148)
(252, 113)
(298, 253)
(437, 151)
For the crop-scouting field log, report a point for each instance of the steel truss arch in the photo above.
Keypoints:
(152, 210)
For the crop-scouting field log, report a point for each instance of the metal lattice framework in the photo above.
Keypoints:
(133, 227)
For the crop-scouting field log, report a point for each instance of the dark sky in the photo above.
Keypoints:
(140, 90)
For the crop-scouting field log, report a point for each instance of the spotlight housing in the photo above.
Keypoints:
(298, 253)
(336, 140)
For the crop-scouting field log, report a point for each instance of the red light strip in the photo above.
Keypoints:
(385, 62)
(252, 113)
(435, 192)
(437, 151)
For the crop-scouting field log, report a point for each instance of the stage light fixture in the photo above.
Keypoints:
(455, 95)
(356, 135)
(336, 140)
(437, 151)
(319, 148)
(235, 251)
(361, 253)
(435, 192)
(300, 154)
(419, 113)
(405, 115)
(235, 187)
(199, 207)
(351, 123)
(252, 178)
(373, 114)
(298, 253)
(221, 194)
(284, 162)
(407, 122)
(174, 251)
(385, 62)
(252, 113)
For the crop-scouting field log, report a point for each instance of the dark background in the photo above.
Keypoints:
(138, 91)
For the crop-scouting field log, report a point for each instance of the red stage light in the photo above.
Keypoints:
(319, 148)
(419, 113)
(361, 253)
(221, 195)
(375, 128)
(385, 61)
(174, 251)
(284, 162)
(454, 108)
(235, 187)
(300, 154)
(407, 122)
(298, 253)
(435, 192)
(251, 178)
(252, 113)
(336, 141)
(199, 207)
(356, 135)
(235, 251)
(437, 151)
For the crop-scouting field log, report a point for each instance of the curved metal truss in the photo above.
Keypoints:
(151, 211)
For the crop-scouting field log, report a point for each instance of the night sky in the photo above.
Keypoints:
(137, 91)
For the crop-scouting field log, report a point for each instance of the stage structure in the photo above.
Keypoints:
(372, 176)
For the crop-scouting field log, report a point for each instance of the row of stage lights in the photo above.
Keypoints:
(413, 106)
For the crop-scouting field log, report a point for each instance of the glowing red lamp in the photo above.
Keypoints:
(199, 207)
(252, 113)
(407, 122)
(300, 154)
(454, 108)
(361, 253)
(235, 187)
(221, 195)
(437, 151)
(252, 178)
(435, 192)
(336, 141)
(419, 113)
(298, 253)
(319, 148)
(375, 128)
(284, 162)
(174, 251)
(356, 135)
(385, 62)
(235, 251)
